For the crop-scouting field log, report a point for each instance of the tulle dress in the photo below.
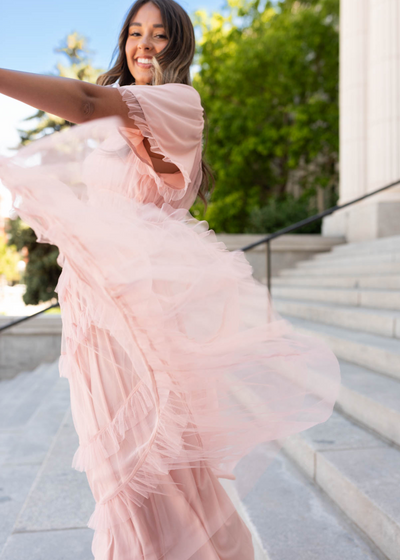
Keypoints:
(177, 362)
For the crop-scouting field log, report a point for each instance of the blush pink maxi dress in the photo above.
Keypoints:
(177, 362)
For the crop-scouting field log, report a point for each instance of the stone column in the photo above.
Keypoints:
(369, 119)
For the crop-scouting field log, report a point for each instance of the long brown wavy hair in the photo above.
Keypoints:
(171, 65)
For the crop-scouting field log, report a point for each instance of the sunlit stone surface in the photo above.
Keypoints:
(369, 119)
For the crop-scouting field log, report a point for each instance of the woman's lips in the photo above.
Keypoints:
(144, 65)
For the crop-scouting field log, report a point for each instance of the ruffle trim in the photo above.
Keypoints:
(165, 452)
(166, 215)
(168, 192)
(172, 447)
(175, 443)
(108, 440)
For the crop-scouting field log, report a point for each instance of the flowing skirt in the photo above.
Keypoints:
(178, 363)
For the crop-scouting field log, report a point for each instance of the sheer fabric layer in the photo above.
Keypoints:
(178, 363)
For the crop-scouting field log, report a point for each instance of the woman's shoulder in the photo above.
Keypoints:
(180, 87)
(182, 93)
(176, 90)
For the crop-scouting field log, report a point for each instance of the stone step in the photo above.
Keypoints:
(231, 489)
(383, 282)
(60, 502)
(330, 269)
(382, 322)
(293, 517)
(25, 442)
(335, 256)
(52, 522)
(21, 403)
(15, 483)
(330, 259)
(348, 249)
(359, 472)
(382, 245)
(72, 544)
(371, 399)
(283, 502)
(374, 299)
(371, 351)
(30, 442)
(20, 383)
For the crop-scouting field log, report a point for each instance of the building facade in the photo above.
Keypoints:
(369, 119)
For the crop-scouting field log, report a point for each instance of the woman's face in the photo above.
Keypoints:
(147, 37)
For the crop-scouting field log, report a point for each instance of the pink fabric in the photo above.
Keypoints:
(178, 363)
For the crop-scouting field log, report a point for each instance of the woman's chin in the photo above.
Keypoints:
(143, 77)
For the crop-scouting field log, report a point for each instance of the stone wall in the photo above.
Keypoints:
(286, 250)
(29, 344)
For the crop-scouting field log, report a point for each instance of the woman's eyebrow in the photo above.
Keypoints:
(139, 24)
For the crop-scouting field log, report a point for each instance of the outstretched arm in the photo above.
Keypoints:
(70, 99)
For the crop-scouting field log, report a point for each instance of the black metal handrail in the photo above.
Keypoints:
(305, 222)
(267, 239)
(22, 319)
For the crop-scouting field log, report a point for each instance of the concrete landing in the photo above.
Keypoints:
(44, 503)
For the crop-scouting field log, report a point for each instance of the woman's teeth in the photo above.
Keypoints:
(144, 60)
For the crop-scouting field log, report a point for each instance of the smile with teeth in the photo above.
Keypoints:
(144, 62)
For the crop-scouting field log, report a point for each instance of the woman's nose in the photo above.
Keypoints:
(145, 43)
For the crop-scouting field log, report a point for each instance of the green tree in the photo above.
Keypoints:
(9, 259)
(42, 271)
(268, 80)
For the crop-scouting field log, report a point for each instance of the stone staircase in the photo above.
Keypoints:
(334, 491)
(45, 504)
(351, 298)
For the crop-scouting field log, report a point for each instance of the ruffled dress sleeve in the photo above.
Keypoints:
(171, 118)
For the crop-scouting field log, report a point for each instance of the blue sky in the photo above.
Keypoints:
(30, 30)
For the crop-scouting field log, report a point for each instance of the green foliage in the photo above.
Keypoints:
(42, 271)
(280, 213)
(269, 85)
(9, 259)
(286, 210)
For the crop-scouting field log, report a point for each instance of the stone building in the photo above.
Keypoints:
(369, 119)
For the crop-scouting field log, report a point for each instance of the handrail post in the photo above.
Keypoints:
(268, 260)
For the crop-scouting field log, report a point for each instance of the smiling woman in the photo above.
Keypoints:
(147, 37)
(177, 363)
(156, 46)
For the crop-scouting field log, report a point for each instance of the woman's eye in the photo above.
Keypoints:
(136, 34)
